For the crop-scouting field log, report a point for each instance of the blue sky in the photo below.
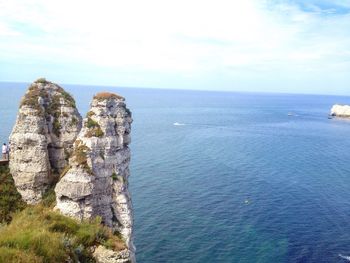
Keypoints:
(266, 45)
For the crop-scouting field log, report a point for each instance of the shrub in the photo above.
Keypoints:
(10, 200)
(80, 155)
(47, 236)
(41, 80)
(91, 123)
(114, 176)
(90, 114)
(56, 127)
(94, 129)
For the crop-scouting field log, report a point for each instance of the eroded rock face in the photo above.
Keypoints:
(96, 183)
(341, 111)
(42, 139)
(104, 255)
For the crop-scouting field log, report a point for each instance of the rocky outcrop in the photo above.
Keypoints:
(42, 139)
(104, 255)
(96, 181)
(340, 111)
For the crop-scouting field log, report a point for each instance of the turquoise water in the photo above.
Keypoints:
(240, 181)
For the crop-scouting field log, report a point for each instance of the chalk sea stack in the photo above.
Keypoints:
(83, 164)
(95, 182)
(47, 125)
(340, 111)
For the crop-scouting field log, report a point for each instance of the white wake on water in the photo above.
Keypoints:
(344, 257)
(178, 124)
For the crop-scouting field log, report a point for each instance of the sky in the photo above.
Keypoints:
(289, 46)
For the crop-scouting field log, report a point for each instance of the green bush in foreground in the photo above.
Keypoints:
(10, 199)
(38, 234)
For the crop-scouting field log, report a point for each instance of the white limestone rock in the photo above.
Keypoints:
(340, 111)
(104, 255)
(42, 139)
(96, 183)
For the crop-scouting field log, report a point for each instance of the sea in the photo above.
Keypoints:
(230, 176)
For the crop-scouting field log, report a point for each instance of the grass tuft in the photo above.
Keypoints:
(47, 236)
(107, 95)
(80, 155)
(49, 198)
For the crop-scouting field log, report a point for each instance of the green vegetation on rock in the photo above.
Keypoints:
(42, 80)
(38, 234)
(90, 114)
(31, 98)
(94, 129)
(107, 95)
(53, 109)
(114, 176)
(68, 98)
(91, 123)
(80, 155)
(10, 199)
(34, 234)
(49, 198)
(53, 104)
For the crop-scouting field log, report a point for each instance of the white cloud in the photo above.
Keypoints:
(179, 38)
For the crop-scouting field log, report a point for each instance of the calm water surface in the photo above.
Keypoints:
(240, 181)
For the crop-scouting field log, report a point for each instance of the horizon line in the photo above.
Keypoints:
(185, 89)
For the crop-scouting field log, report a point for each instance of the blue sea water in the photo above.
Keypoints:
(239, 181)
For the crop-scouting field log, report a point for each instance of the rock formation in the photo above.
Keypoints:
(96, 180)
(340, 111)
(104, 255)
(42, 139)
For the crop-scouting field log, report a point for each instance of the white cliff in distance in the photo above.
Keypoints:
(340, 111)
